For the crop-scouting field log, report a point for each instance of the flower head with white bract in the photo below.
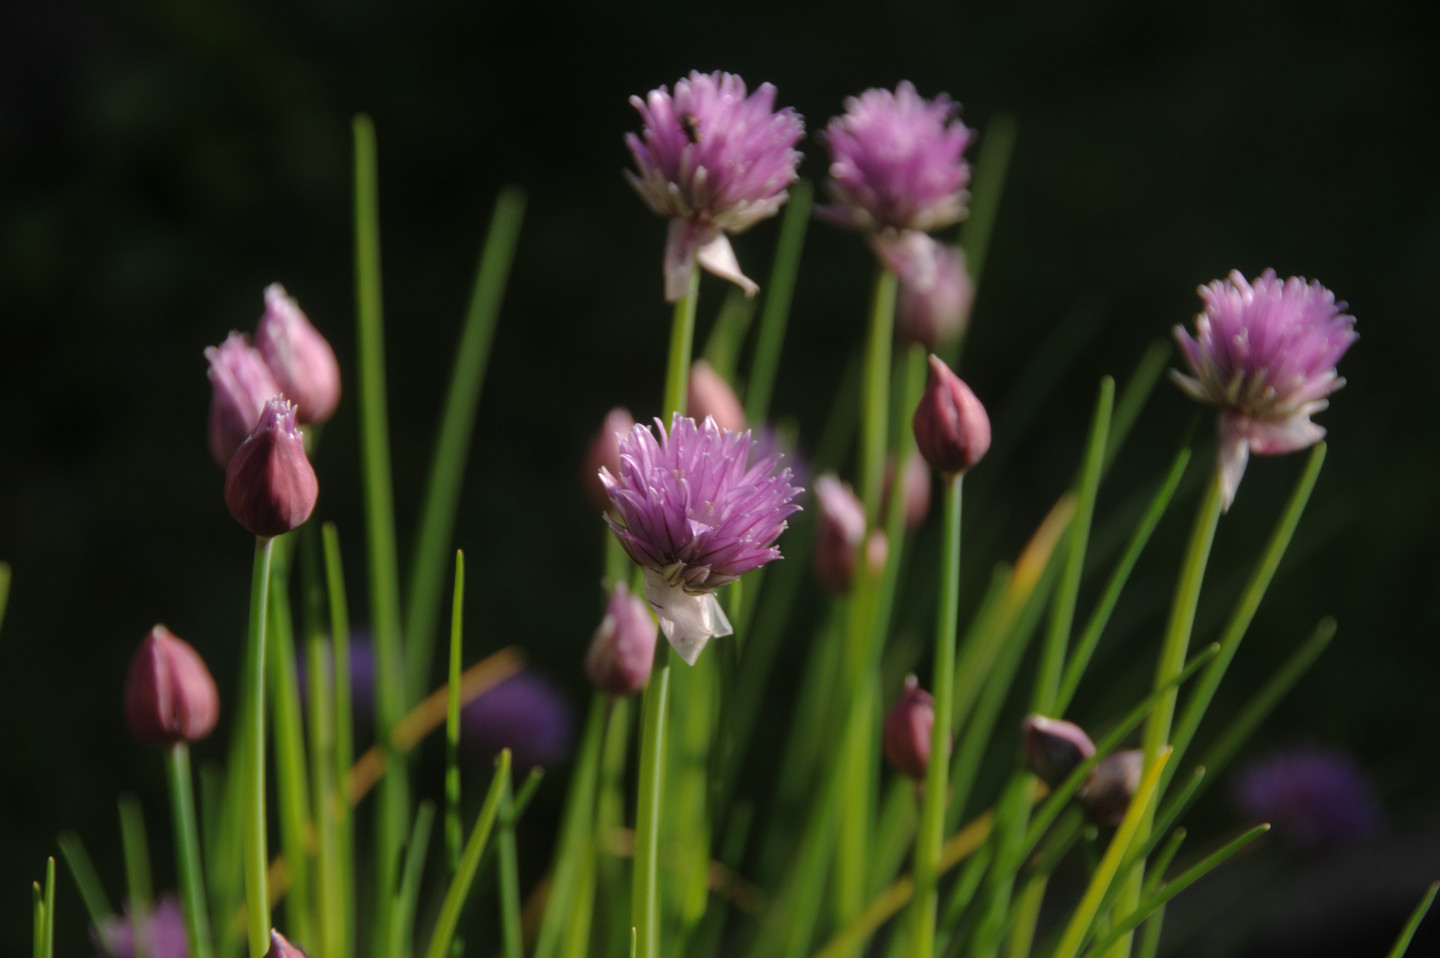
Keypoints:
(695, 514)
(1265, 353)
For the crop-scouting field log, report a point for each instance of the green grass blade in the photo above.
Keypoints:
(1137, 390)
(344, 729)
(778, 294)
(37, 901)
(512, 945)
(48, 927)
(454, 833)
(92, 892)
(727, 334)
(991, 167)
(137, 861)
(452, 440)
(1403, 942)
(459, 889)
(408, 893)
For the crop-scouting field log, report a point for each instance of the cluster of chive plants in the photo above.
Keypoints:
(867, 836)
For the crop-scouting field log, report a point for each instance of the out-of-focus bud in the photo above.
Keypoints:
(877, 553)
(1054, 748)
(169, 694)
(299, 358)
(623, 648)
(605, 451)
(711, 395)
(525, 714)
(1107, 792)
(842, 527)
(907, 730)
(280, 948)
(952, 429)
(916, 484)
(935, 293)
(241, 382)
(270, 486)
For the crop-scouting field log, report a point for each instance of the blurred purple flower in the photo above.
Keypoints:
(525, 714)
(715, 161)
(1314, 797)
(897, 162)
(695, 514)
(1265, 353)
(162, 933)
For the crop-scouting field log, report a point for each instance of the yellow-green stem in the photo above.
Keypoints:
(257, 896)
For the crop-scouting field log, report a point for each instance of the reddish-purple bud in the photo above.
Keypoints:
(842, 528)
(916, 483)
(605, 451)
(710, 395)
(281, 948)
(300, 359)
(935, 296)
(1054, 748)
(241, 382)
(270, 486)
(623, 648)
(1112, 783)
(908, 729)
(952, 430)
(169, 694)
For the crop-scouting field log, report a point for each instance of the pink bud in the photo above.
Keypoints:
(241, 382)
(605, 451)
(280, 948)
(952, 430)
(1114, 781)
(908, 729)
(935, 295)
(270, 486)
(711, 395)
(1053, 748)
(623, 648)
(300, 358)
(169, 694)
(916, 483)
(842, 527)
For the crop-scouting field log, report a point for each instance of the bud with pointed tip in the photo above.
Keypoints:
(270, 486)
(300, 359)
(169, 694)
(1114, 781)
(1054, 748)
(605, 451)
(281, 948)
(710, 395)
(241, 382)
(908, 728)
(952, 429)
(623, 648)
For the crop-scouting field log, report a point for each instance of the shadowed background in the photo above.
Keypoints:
(163, 161)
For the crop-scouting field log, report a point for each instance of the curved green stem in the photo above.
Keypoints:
(257, 894)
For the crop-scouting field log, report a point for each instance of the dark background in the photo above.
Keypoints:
(160, 162)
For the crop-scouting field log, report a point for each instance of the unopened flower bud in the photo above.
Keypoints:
(842, 527)
(1054, 748)
(241, 382)
(300, 359)
(1114, 781)
(281, 948)
(952, 429)
(270, 486)
(605, 451)
(908, 728)
(710, 395)
(169, 694)
(935, 295)
(623, 648)
(915, 482)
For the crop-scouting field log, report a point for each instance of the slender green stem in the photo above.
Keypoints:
(408, 892)
(875, 394)
(137, 862)
(931, 833)
(48, 929)
(452, 439)
(454, 836)
(257, 859)
(330, 887)
(469, 861)
(1418, 915)
(393, 813)
(37, 906)
(778, 294)
(92, 893)
(187, 850)
(571, 889)
(645, 905)
(344, 754)
(990, 169)
(682, 343)
(508, 865)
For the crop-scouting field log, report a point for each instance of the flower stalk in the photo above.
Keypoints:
(257, 896)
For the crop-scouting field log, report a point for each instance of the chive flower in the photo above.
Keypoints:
(160, 932)
(1265, 354)
(240, 382)
(270, 487)
(897, 162)
(170, 695)
(696, 514)
(715, 161)
(301, 360)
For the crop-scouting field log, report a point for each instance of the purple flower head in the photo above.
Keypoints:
(525, 714)
(897, 162)
(715, 161)
(162, 932)
(695, 513)
(1265, 353)
(1315, 797)
(241, 383)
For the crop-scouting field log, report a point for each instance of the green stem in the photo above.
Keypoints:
(257, 859)
(343, 729)
(645, 907)
(454, 833)
(777, 303)
(875, 396)
(509, 869)
(187, 848)
(682, 343)
(931, 834)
